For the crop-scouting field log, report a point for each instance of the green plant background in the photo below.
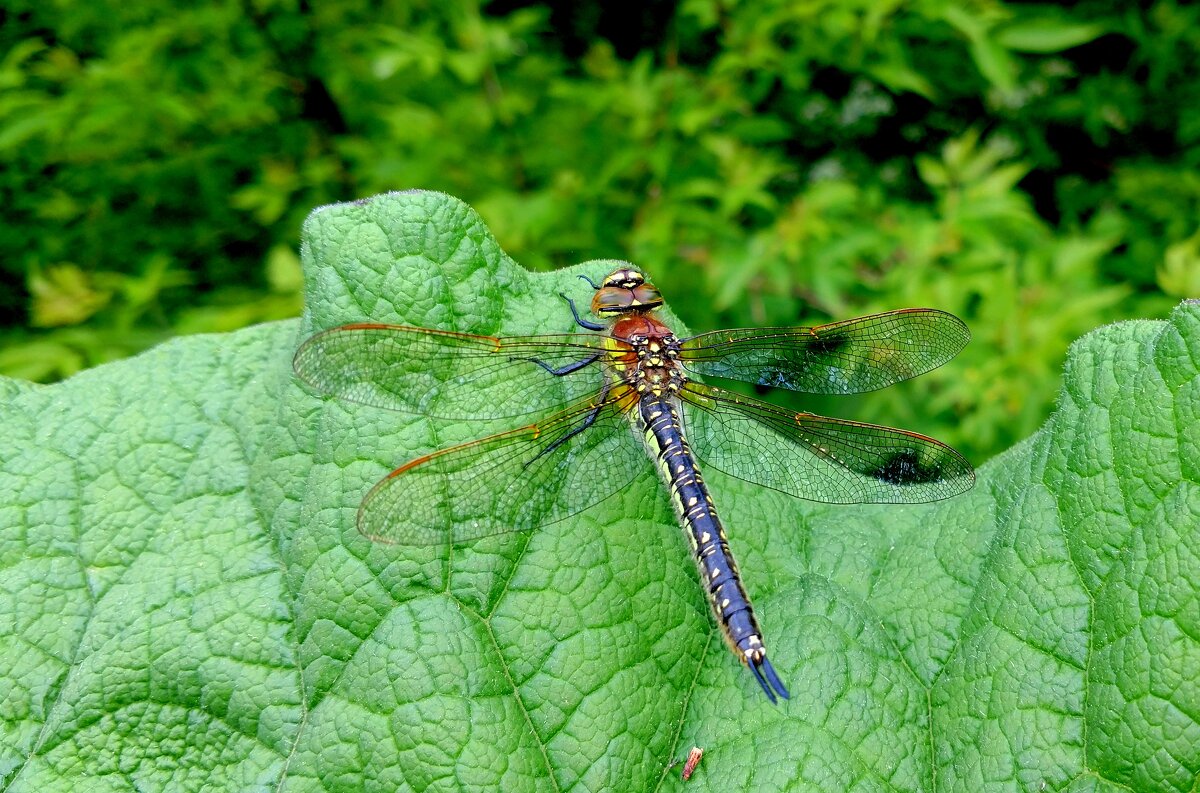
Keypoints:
(1027, 166)
(185, 604)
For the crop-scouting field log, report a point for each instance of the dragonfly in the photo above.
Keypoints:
(622, 390)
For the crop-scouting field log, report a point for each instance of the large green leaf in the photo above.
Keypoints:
(185, 603)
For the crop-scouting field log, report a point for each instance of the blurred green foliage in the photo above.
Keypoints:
(1030, 167)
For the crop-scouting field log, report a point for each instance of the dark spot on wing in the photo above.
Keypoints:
(827, 343)
(905, 468)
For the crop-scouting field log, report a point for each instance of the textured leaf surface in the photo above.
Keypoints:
(185, 604)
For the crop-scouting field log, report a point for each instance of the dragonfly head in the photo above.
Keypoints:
(625, 291)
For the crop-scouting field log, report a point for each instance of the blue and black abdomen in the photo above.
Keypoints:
(718, 570)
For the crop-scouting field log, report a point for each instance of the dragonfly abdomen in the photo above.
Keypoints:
(718, 569)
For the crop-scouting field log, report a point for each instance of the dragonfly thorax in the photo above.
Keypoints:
(651, 361)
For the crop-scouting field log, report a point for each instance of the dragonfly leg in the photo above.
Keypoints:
(580, 321)
(601, 401)
(566, 369)
(591, 283)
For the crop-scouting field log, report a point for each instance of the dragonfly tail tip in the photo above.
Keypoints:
(766, 676)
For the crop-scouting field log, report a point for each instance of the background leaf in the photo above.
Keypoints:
(185, 604)
(1047, 35)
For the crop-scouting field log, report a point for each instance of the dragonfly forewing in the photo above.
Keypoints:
(448, 375)
(856, 355)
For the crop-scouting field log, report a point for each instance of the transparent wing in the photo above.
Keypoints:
(447, 375)
(818, 458)
(846, 357)
(513, 481)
